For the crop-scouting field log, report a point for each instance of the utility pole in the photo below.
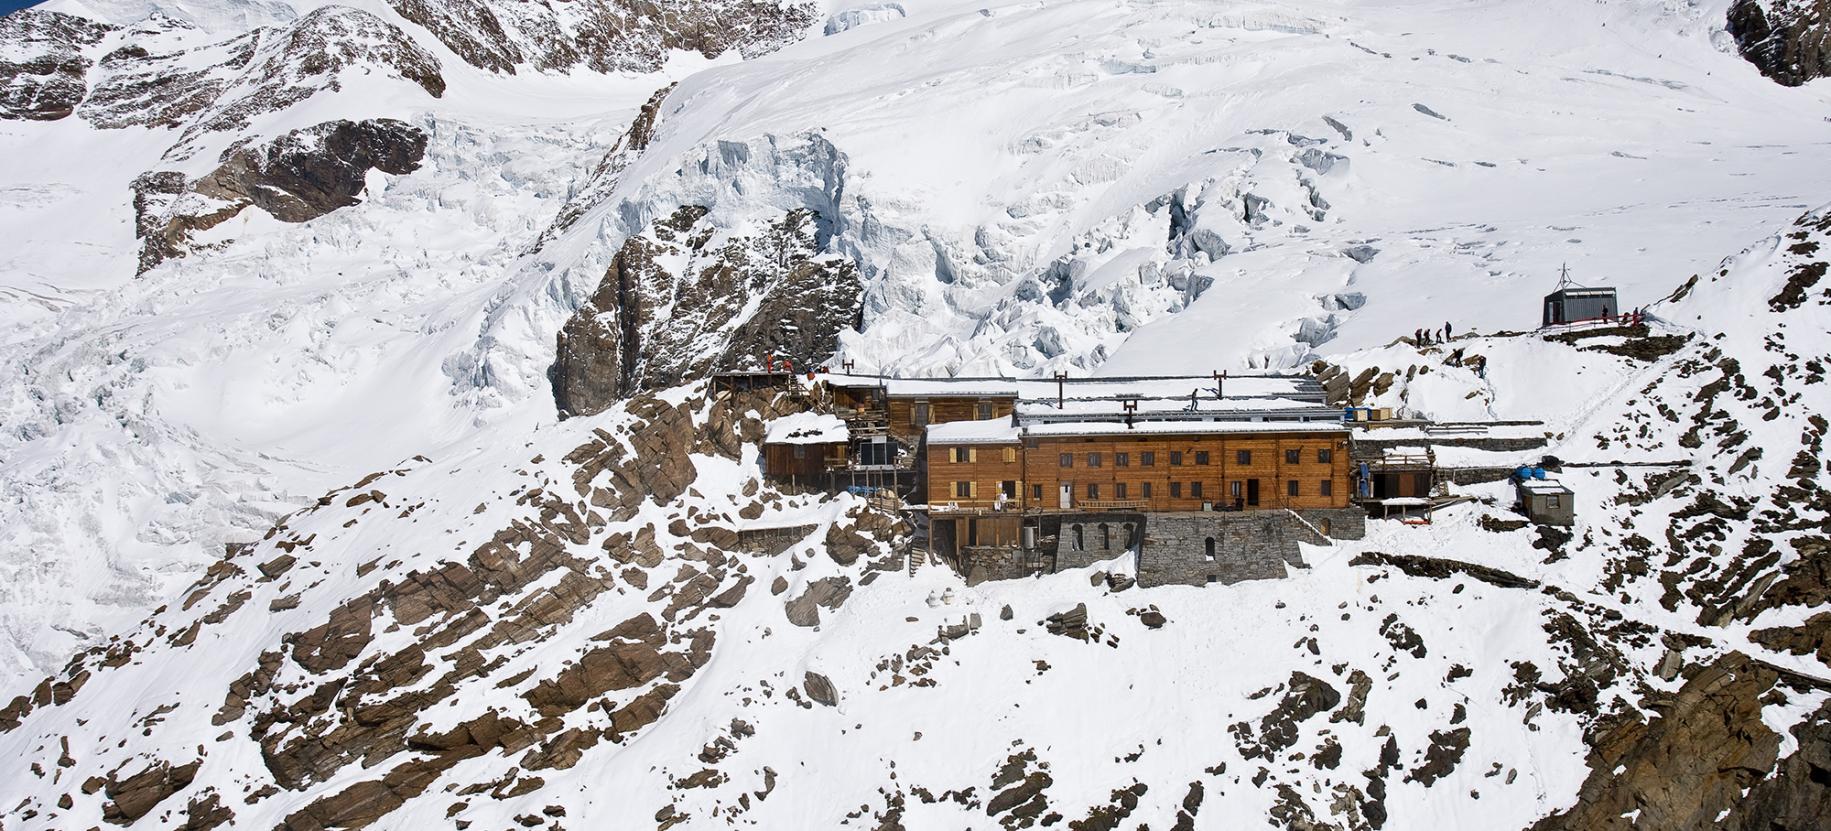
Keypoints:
(1061, 397)
(1131, 408)
(1220, 384)
(847, 366)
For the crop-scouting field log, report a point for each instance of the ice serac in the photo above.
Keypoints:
(42, 65)
(1788, 40)
(687, 297)
(296, 177)
(605, 35)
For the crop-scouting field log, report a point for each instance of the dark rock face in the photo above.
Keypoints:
(1788, 40)
(647, 327)
(605, 35)
(42, 73)
(296, 177)
(132, 797)
(217, 87)
(1693, 763)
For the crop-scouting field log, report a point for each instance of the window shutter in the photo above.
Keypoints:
(972, 490)
(972, 454)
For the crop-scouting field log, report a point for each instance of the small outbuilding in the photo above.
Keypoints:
(1577, 304)
(803, 447)
(1547, 502)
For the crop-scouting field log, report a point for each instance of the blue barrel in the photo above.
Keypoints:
(1538, 473)
(1347, 414)
(1523, 474)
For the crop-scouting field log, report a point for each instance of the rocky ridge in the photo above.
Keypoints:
(685, 299)
(605, 35)
(1788, 40)
(296, 177)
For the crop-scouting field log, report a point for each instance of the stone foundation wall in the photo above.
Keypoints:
(1172, 547)
(1200, 548)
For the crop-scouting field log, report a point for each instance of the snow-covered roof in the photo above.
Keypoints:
(1109, 428)
(806, 428)
(990, 431)
(1002, 431)
(1543, 486)
(1095, 389)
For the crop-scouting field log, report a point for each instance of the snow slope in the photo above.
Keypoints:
(1087, 186)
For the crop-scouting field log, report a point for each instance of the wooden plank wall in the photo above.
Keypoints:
(781, 461)
(943, 410)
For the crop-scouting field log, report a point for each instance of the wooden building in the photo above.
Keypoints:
(804, 448)
(907, 406)
(1148, 466)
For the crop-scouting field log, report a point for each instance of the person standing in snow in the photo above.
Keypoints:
(1446, 331)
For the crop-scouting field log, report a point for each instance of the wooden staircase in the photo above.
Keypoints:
(917, 557)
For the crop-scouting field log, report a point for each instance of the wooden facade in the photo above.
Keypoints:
(911, 415)
(1147, 472)
(803, 460)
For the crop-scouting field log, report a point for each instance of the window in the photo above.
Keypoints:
(1293, 456)
(1195, 489)
(1290, 488)
(1176, 458)
(1036, 493)
(800, 451)
(1066, 460)
(1234, 490)
(1010, 455)
(1145, 490)
(921, 412)
(1093, 491)
(1243, 457)
(1208, 549)
(962, 455)
(1147, 459)
(1176, 490)
(1325, 455)
(985, 410)
(1093, 460)
(1554, 501)
(1119, 491)
(963, 490)
(1106, 536)
(1213, 579)
(1326, 487)
(1201, 457)
(1122, 460)
(1008, 488)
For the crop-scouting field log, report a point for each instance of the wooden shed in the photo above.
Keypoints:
(803, 448)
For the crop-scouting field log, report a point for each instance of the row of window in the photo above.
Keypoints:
(1237, 490)
(1324, 455)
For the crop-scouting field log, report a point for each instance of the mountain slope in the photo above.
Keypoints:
(613, 622)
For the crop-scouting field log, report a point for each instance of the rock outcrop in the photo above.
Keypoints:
(43, 71)
(296, 177)
(1689, 767)
(605, 35)
(685, 299)
(1788, 40)
(164, 73)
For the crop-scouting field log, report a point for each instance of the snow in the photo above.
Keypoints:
(805, 428)
(1000, 172)
(990, 431)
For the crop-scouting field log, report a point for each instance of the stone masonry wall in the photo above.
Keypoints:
(1252, 545)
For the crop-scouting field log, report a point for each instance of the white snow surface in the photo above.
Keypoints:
(1127, 188)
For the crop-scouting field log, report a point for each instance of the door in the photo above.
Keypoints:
(1252, 491)
(1067, 495)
